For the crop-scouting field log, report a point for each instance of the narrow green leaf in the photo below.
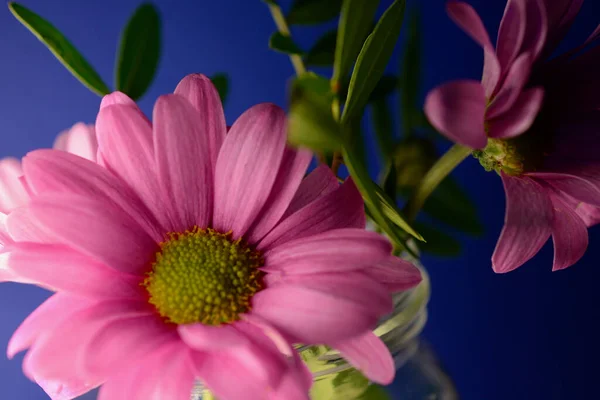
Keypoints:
(310, 122)
(389, 182)
(283, 44)
(450, 204)
(386, 86)
(391, 211)
(373, 58)
(139, 52)
(322, 53)
(381, 118)
(438, 243)
(270, 2)
(61, 47)
(312, 12)
(356, 21)
(221, 82)
(410, 75)
(382, 210)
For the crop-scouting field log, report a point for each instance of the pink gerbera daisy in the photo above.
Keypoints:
(191, 253)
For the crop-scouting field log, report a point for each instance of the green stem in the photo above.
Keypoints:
(453, 157)
(283, 28)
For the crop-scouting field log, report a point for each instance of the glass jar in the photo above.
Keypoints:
(418, 377)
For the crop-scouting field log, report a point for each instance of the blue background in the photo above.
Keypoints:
(530, 334)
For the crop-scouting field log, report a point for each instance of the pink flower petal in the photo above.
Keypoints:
(256, 367)
(139, 335)
(520, 117)
(536, 28)
(117, 98)
(50, 171)
(561, 14)
(569, 235)
(395, 274)
(370, 355)
(97, 229)
(527, 223)
(575, 186)
(59, 268)
(243, 180)
(125, 146)
(22, 226)
(183, 160)
(468, 20)
(338, 209)
(79, 140)
(165, 374)
(44, 319)
(206, 337)
(319, 182)
(354, 286)
(457, 110)
(68, 389)
(12, 193)
(512, 86)
(311, 316)
(588, 213)
(57, 354)
(201, 93)
(334, 250)
(292, 170)
(511, 32)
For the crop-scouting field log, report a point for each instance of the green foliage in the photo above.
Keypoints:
(450, 204)
(410, 75)
(322, 53)
(310, 122)
(221, 82)
(284, 44)
(61, 47)
(437, 242)
(383, 127)
(373, 59)
(311, 12)
(355, 24)
(139, 52)
(385, 87)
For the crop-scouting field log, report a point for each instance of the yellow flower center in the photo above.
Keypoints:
(500, 155)
(203, 276)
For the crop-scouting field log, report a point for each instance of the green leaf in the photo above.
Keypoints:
(386, 86)
(410, 76)
(355, 24)
(450, 204)
(380, 208)
(393, 214)
(139, 52)
(61, 47)
(322, 53)
(311, 12)
(283, 44)
(384, 131)
(310, 122)
(375, 392)
(438, 243)
(373, 58)
(221, 82)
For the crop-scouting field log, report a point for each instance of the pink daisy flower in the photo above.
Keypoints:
(546, 155)
(192, 253)
(79, 140)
